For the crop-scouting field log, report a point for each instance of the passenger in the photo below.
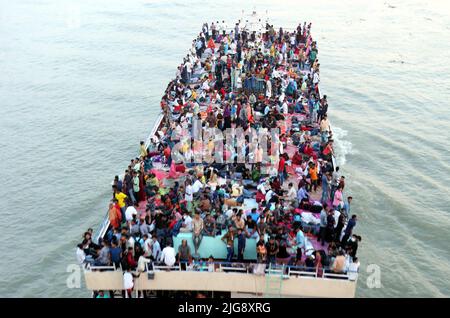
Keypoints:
(184, 254)
(270, 83)
(338, 266)
(168, 255)
(323, 224)
(349, 229)
(347, 206)
(241, 244)
(272, 250)
(228, 238)
(197, 233)
(209, 226)
(128, 283)
(114, 214)
(156, 248)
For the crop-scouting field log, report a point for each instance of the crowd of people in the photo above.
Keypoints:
(256, 81)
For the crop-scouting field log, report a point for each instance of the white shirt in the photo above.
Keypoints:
(130, 243)
(205, 85)
(353, 270)
(188, 66)
(262, 187)
(168, 256)
(229, 213)
(292, 194)
(142, 262)
(128, 280)
(197, 186)
(269, 195)
(188, 223)
(148, 247)
(284, 108)
(189, 193)
(81, 256)
(129, 212)
(316, 78)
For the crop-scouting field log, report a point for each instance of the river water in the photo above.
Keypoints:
(81, 83)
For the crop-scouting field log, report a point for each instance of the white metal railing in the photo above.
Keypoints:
(286, 271)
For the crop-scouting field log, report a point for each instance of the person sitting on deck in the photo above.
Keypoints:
(209, 226)
(339, 263)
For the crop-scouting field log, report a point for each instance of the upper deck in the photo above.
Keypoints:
(199, 90)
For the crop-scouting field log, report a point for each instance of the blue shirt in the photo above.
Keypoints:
(255, 216)
(115, 254)
(350, 225)
(302, 194)
(347, 208)
(300, 238)
(324, 182)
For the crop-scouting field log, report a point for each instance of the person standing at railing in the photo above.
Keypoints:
(272, 250)
(347, 205)
(228, 238)
(353, 269)
(168, 255)
(323, 224)
(156, 248)
(261, 251)
(120, 197)
(241, 244)
(349, 229)
(114, 214)
(318, 263)
(299, 239)
(184, 254)
(197, 229)
(128, 283)
(143, 150)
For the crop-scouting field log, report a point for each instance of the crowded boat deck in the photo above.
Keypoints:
(237, 176)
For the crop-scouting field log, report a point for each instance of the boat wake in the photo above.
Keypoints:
(343, 147)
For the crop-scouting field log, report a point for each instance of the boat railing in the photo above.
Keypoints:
(102, 228)
(286, 271)
(102, 268)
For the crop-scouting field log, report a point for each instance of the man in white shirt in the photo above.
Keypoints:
(187, 224)
(168, 255)
(81, 255)
(316, 78)
(130, 212)
(131, 242)
(189, 193)
(197, 186)
(284, 107)
(147, 246)
(188, 66)
(262, 187)
(353, 269)
(269, 195)
(128, 282)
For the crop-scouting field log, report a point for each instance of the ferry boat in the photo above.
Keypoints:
(194, 161)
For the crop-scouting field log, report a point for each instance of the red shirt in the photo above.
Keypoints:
(281, 164)
(167, 152)
(130, 260)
